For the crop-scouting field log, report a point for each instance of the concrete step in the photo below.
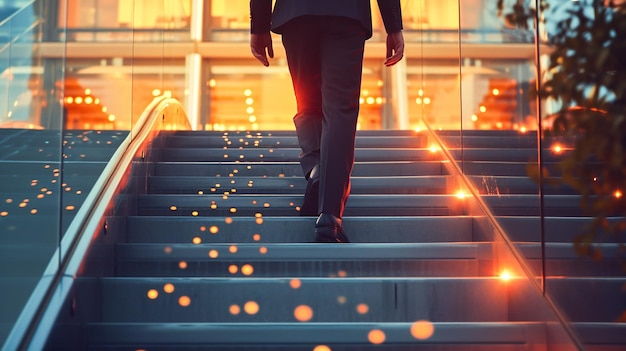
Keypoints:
(183, 229)
(305, 260)
(292, 168)
(287, 141)
(357, 205)
(287, 205)
(514, 336)
(291, 154)
(295, 185)
(123, 300)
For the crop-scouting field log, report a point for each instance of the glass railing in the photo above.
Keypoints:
(58, 131)
(508, 144)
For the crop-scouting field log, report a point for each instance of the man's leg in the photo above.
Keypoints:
(301, 43)
(342, 47)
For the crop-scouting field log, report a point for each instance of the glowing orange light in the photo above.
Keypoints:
(295, 283)
(153, 294)
(70, 208)
(251, 307)
(342, 274)
(184, 301)
(376, 336)
(232, 249)
(523, 129)
(213, 206)
(259, 221)
(557, 148)
(33, 211)
(617, 194)
(234, 309)
(505, 275)
(258, 215)
(247, 269)
(362, 308)
(194, 213)
(173, 208)
(256, 237)
(182, 265)
(213, 253)
(303, 313)
(214, 229)
(482, 109)
(495, 92)
(196, 240)
(168, 288)
(266, 205)
(460, 194)
(4, 214)
(322, 348)
(433, 148)
(422, 330)
(233, 269)
(233, 210)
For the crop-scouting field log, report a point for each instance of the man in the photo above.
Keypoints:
(324, 42)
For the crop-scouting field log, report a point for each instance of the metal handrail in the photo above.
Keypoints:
(6, 20)
(37, 319)
(16, 37)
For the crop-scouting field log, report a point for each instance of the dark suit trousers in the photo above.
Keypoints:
(325, 58)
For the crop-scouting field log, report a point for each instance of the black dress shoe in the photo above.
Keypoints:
(329, 229)
(311, 194)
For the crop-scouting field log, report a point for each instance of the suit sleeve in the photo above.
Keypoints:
(391, 14)
(260, 16)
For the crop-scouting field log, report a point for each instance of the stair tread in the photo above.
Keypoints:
(312, 251)
(306, 333)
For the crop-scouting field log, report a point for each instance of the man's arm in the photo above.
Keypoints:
(392, 18)
(260, 25)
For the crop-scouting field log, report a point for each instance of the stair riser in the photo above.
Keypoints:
(320, 269)
(295, 229)
(451, 300)
(287, 142)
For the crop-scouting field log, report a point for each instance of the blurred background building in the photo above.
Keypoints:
(102, 61)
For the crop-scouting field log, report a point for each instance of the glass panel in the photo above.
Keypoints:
(582, 130)
(30, 157)
(136, 21)
(494, 144)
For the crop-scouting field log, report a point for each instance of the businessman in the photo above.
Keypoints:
(324, 42)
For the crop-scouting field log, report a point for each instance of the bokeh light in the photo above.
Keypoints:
(153, 294)
(251, 307)
(422, 330)
(184, 301)
(376, 336)
(303, 313)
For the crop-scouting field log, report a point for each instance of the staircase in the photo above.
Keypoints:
(214, 255)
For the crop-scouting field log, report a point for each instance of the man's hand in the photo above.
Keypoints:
(261, 47)
(395, 48)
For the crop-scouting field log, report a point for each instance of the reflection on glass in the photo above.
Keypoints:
(119, 20)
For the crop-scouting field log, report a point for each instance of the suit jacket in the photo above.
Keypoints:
(263, 19)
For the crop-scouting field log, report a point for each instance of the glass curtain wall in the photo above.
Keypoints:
(30, 158)
(65, 107)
